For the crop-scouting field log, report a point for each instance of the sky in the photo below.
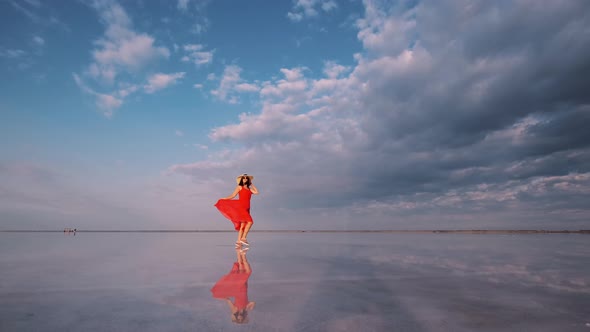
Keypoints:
(350, 114)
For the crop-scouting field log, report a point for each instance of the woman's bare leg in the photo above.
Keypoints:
(239, 259)
(241, 232)
(247, 267)
(246, 230)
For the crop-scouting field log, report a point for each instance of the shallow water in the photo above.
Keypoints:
(299, 282)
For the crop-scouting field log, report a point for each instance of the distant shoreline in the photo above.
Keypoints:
(404, 231)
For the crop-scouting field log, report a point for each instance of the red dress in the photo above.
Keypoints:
(234, 284)
(237, 211)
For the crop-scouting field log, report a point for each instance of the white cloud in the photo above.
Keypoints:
(199, 28)
(192, 47)
(383, 33)
(334, 70)
(329, 5)
(121, 48)
(128, 53)
(197, 55)
(198, 86)
(127, 89)
(230, 84)
(247, 87)
(293, 74)
(48, 198)
(211, 77)
(218, 162)
(28, 12)
(295, 17)
(293, 85)
(37, 14)
(38, 41)
(12, 53)
(201, 146)
(286, 111)
(179, 133)
(182, 4)
(309, 9)
(196, 11)
(306, 7)
(160, 81)
(106, 103)
(418, 117)
(230, 77)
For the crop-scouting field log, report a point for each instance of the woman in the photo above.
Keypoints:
(235, 284)
(238, 211)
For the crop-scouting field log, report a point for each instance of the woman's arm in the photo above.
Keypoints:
(253, 189)
(233, 194)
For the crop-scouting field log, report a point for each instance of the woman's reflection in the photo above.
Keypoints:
(235, 284)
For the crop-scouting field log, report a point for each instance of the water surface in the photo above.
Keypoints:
(299, 282)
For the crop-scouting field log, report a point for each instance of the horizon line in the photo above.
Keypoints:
(468, 231)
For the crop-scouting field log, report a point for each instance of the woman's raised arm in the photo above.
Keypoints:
(253, 189)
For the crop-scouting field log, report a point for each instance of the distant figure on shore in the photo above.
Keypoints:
(235, 284)
(238, 211)
(69, 230)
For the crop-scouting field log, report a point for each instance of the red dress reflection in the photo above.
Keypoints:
(235, 285)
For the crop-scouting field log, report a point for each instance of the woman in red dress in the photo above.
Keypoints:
(238, 211)
(235, 284)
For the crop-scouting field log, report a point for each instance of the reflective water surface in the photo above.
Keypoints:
(294, 282)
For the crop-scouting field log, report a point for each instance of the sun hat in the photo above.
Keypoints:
(251, 177)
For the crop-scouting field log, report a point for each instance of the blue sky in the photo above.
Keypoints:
(351, 114)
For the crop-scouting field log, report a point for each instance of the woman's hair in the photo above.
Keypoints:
(246, 183)
(240, 317)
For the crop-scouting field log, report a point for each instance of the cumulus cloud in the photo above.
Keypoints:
(292, 85)
(333, 70)
(160, 81)
(231, 84)
(121, 48)
(451, 109)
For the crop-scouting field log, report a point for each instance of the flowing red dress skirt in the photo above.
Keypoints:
(234, 284)
(238, 211)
